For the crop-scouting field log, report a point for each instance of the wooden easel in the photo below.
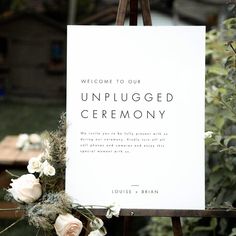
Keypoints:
(147, 21)
(129, 214)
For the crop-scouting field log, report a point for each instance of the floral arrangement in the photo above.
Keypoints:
(40, 193)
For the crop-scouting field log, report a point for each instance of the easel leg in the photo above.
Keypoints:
(85, 223)
(127, 226)
(120, 18)
(133, 19)
(176, 225)
(146, 12)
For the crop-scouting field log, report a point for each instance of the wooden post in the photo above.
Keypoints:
(146, 12)
(122, 8)
(176, 225)
(133, 17)
(127, 229)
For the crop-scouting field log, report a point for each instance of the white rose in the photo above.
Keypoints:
(35, 164)
(26, 189)
(113, 210)
(208, 134)
(96, 233)
(68, 225)
(22, 139)
(47, 169)
(97, 223)
(35, 139)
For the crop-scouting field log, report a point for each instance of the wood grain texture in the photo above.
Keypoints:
(10, 214)
(13, 157)
(121, 12)
(176, 225)
(133, 17)
(172, 213)
(146, 12)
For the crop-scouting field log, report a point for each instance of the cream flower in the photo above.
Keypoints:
(97, 223)
(26, 189)
(35, 139)
(35, 164)
(68, 225)
(113, 210)
(22, 139)
(208, 134)
(96, 233)
(48, 169)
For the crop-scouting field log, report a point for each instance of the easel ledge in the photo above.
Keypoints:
(216, 212)
(175, 216)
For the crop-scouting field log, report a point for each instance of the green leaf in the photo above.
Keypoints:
(216, 168)
(218, 139)
(229, 166)
(228, 139)
(230, 23)
(232, 150)
(219, 122)
(213, 223)
(230, 62)
(217, 70)
(211, 227)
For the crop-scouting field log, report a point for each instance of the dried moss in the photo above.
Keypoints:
(44, 213)
(57, 158)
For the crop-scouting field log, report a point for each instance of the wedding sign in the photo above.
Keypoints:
(135, 113)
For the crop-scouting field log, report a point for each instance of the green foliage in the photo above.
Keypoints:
(221, 119)
(209, 228)
(157, 227)
(19, 118)
(161, 226)
(221, 115)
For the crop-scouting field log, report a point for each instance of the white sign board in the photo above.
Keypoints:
(135, 110)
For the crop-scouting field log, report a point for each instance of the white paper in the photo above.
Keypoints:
(135, 112)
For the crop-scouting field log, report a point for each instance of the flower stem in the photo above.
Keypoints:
(38, 232)
(232, 47)
(11, 174)
(92, 206)
(86, 209)
(11, 225)
(228, 107)
(10, 209)
(83, 214)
